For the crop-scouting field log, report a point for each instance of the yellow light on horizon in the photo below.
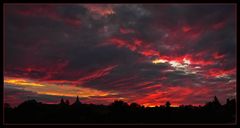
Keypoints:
(55, 89)
(21, 82)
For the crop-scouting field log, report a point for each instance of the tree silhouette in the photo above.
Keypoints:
(135, 105)
(7, 106)
(213, 105)
(67, 102)
(62, 102)
(168, 104)
(119, 111)
(119, 104)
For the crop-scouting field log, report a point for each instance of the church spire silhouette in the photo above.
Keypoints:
(77, 102)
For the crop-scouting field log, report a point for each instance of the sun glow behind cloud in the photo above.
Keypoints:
(157, 61)
(183, 65)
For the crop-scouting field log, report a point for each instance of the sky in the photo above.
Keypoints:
(143, 53)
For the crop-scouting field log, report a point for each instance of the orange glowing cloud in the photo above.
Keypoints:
(55, 90)
(21, 82)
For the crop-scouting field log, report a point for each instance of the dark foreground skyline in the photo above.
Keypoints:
(148, 54)
(120, 112)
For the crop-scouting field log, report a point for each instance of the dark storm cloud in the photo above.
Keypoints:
(180, 15)
(129, 76)
(111, 48)
(51, 40)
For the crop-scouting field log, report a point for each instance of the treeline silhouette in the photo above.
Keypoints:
(118, 112)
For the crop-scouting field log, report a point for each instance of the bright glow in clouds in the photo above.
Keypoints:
(184, 66)
(159, 61)
(186, 61)
(173, 63)
(55, 90)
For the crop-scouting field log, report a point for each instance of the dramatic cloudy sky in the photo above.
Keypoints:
(149, 54)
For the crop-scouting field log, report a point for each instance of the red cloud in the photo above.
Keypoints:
(186, 28)
(149, 52)
(126, 31)
(217, 55)
(42, 11)
(182, 35)
(97, 74)
(73, 22)
(176, 95)
(195, 60)
(220, 72)
(202, 62)
(219, 25)
(135, 45)
(123, 43)
(50, 12)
